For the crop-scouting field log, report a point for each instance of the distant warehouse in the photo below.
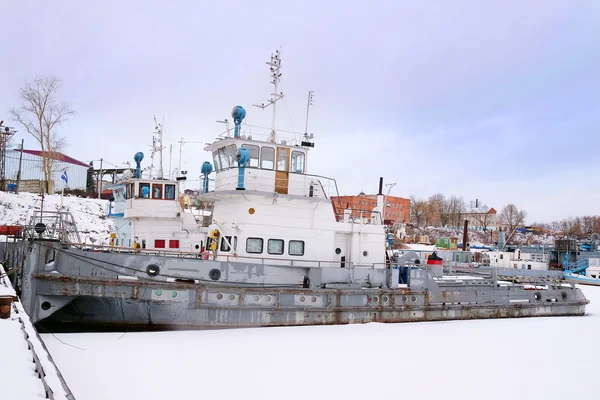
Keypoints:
(32, 175)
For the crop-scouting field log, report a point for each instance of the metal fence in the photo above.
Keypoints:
(32, 175)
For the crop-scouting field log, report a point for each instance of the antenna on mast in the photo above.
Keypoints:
(275, 65)
(308, 104)
(158, 130)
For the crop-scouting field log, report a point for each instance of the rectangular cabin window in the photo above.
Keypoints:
(254, 245)
(296, 247)
(169, 192)
(225, 246)
(230, 152)
(156, 191)
(282, 159)
(216, 160)
(275, 246)
(173, 244)
(267, 158)
(223, 158)
(159, 244)
(254, 150)
(144, 190)
(297, 162)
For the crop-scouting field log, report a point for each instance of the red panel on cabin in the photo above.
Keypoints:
(159, 244)
(173, 244)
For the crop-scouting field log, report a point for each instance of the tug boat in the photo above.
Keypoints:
(270, 248)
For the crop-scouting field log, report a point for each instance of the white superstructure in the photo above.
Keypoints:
(265, 206)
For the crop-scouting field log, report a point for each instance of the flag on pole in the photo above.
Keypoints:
(64, 177)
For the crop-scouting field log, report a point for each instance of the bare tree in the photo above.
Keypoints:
(443, 207)
(483, 217)
(457, 209)
(512, 217)
(417, 210)
(40, 113)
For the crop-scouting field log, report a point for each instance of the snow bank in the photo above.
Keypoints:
(19, 377)
(89, 214)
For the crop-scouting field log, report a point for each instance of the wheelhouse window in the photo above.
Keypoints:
(267, 158)
(254, 245)
(296, 247)
(226, 156)
(228, 239)
(297, 162)
(282, 159)
(170, 192)
(145, 190)
(216, 160)
(156, 191)
(275, 246)
(254, 150)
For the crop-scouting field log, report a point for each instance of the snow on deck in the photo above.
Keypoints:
(480, 359)
(19, 378)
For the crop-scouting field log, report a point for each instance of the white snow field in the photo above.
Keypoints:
(533, 358)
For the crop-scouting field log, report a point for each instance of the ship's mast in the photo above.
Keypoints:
(275, 65)
(159, 130)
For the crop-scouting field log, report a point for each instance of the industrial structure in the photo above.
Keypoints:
(396, 209)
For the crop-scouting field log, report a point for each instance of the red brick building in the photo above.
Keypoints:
(397, 210)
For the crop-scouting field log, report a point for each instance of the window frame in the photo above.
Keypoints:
(232, 240)
(290, 246)
(160, 193)
(262, 245)
(169, 186)
(142, 185)
(174, 243)
(295, 156)
(248, 147)
(276, 253)
(268, 149)
(159, 243)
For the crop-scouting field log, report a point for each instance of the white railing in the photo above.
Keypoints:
(262, 133)
(267, 180)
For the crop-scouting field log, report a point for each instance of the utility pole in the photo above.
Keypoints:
(100, 179)
(20, 163)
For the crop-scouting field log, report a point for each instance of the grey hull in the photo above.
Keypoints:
(64, 285)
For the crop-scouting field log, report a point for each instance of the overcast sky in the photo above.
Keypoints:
(495, 100)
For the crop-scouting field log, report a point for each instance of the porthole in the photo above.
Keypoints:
(365, 253)
(257, 298)
(46, 306)
(220, 296)
(385, 299)
(313, 299)
(269, 298)
(537, 296)
(413, 299)
(405, 298)
(338, 250)
(232, 297)
(375, 299)
(302, 299)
